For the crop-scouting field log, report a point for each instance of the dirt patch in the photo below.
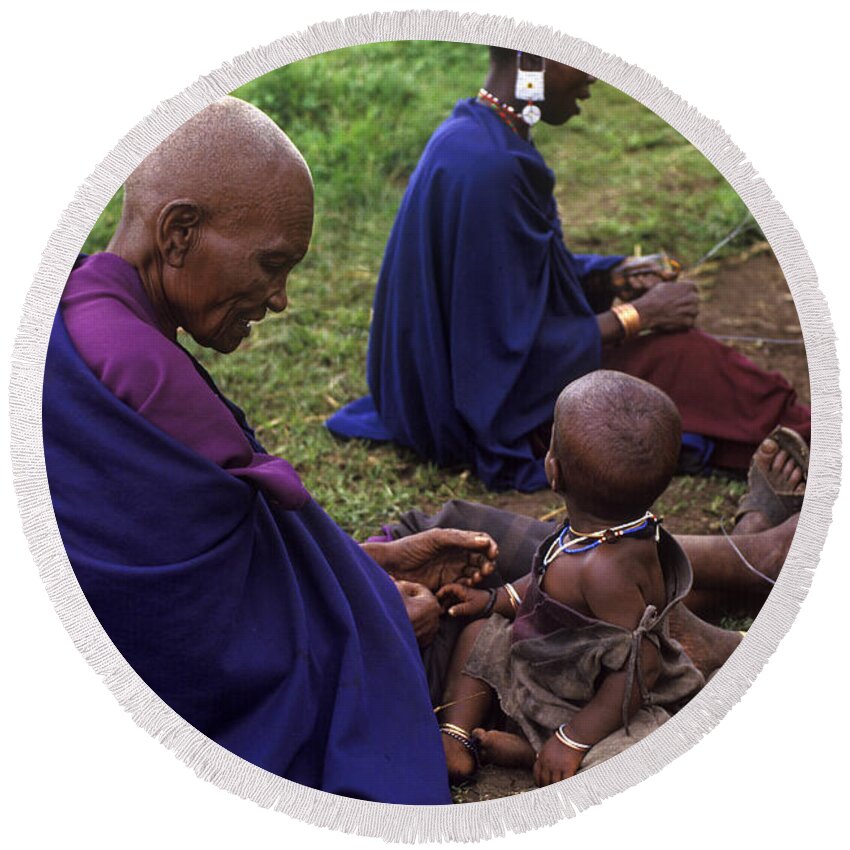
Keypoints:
(492, 783)
(743, 297)
(749, 297)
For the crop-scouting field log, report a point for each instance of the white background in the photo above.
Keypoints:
(76, 78)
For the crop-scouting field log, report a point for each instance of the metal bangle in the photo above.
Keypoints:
(513, 597)
(491, 604)
(629, 319)
(565, 739)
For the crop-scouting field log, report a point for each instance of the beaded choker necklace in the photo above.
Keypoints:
(505, 111)
(566, 545)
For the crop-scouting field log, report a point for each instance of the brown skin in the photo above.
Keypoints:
(214, 221)
(423, 610)
(784, 475)
(662, 305)
(422, 563)
(437, 557)
(721, 583)
(212, 275)
(614, 584)
(609, 583)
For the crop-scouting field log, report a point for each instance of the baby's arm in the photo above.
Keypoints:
(463, 601)
(614, 598)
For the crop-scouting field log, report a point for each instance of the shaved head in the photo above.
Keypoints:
(214, 158)
(214, 220)
(617, 440)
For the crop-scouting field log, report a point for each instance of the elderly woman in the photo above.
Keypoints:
(224, 585)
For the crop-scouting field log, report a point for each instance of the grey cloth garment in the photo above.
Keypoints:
(545, 666)
(518, 538)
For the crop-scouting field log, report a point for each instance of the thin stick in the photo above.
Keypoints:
(744, 561)
(552, 514)
(744, 225)
(439, 708)
(757, 339)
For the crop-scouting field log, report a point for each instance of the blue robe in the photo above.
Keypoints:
(268, 630)
(480, 318)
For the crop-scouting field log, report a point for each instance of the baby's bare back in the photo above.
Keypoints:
(614, 582)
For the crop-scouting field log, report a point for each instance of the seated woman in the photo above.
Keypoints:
(482, 314)
(223, 584)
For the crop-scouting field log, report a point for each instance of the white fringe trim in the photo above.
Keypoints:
(475, 821)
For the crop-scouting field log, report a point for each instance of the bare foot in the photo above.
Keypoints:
(768, 550)
(783, 475)
(737, 589)
(706, 645)
(459, 761)
(504, 749)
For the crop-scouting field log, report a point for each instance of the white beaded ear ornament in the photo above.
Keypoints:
(530, 88)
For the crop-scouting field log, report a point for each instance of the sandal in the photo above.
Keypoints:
(776, 505)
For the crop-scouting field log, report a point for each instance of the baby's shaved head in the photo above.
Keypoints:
(214, 159)
(617, 439)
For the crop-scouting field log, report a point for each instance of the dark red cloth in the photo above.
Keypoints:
(720, 393)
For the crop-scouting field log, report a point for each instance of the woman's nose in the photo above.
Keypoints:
(278, 301)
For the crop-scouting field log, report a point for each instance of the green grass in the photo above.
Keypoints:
(361, 117)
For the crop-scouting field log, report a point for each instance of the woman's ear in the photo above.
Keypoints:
(178, 230)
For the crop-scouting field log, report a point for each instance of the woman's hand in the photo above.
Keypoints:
(555, 762)
(669, 306)
(437, 557)
(423, 610)
(635, 276)
(463, 601)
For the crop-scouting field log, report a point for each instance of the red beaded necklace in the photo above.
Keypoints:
(506, 112)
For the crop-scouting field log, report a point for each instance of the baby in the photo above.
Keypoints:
(577, 653)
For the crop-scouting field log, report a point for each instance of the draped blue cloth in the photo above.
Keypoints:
(270, 631)
(480, 318)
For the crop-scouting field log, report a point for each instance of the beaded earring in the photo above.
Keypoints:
(529, 88)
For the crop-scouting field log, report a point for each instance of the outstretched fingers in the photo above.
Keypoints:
(478, 549)
(477, 542)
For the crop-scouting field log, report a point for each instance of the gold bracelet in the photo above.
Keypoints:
(629, 319)
(513, 597)
(457, 730)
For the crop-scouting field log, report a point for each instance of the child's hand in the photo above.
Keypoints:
(463, 601)
(555, 762)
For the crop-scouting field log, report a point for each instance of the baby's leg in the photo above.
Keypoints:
(466, 704)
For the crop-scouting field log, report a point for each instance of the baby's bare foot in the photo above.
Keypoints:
(782, 475)
(503, 748)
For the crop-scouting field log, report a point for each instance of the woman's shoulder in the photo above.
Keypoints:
(112, 328)
(474, 146)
